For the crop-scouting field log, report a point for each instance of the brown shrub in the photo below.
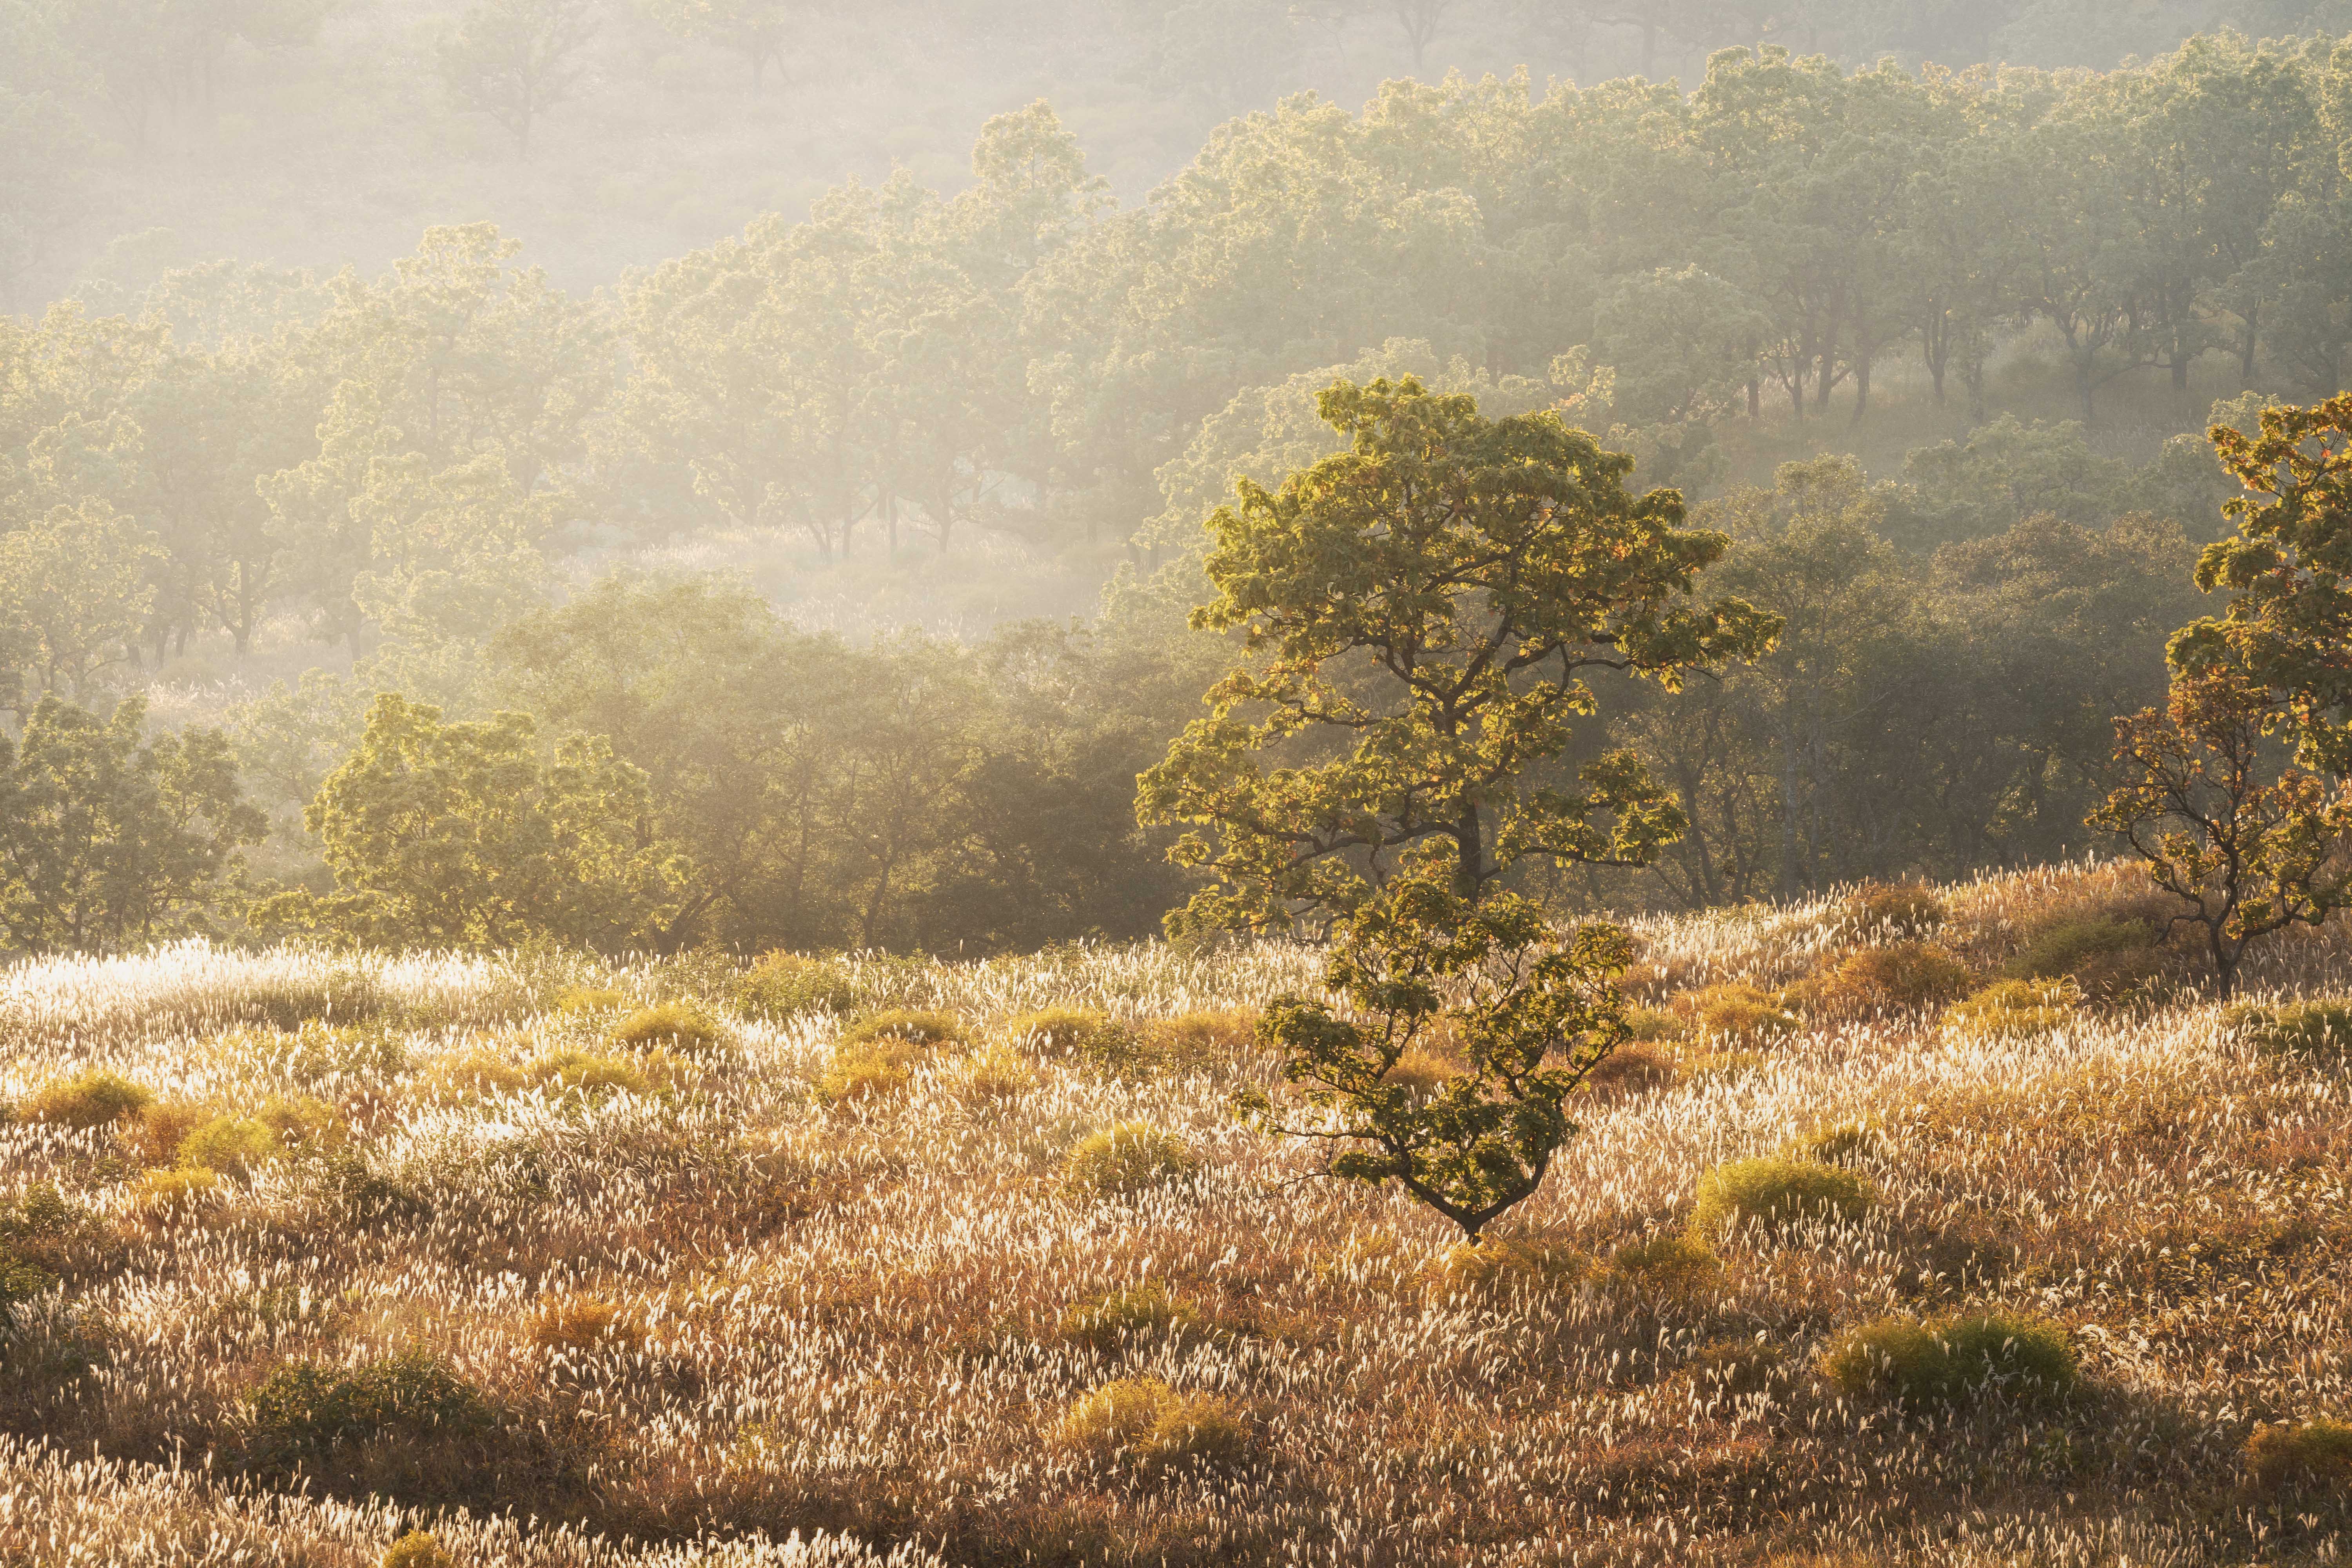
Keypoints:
(155, 1136)
(1629, 1070)
(1904, 977)
(1876, 911)
(2301, 1459)
(1734, 1012)
(586, 1322)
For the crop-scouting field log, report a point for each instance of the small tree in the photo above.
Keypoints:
(755, 29)
(2247, 848)
(1418, 614)
(514, 61)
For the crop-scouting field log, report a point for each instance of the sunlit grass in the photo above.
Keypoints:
(703, 1296)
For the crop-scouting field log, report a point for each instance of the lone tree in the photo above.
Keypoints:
(514, 61)
(1418, 615)
(2247, 848)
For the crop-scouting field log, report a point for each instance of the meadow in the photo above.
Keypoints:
(534, 1259)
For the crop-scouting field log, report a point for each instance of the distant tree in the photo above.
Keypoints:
(1419, 613)
(107, 839)
(464, 836)
(516, 59)
(72, 595)
(2247, 847)
(755, 29)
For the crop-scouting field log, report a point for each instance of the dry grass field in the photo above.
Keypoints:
(312, 1257)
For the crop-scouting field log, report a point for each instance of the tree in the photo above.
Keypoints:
(107, 839)
(2289, 566)
(1418, 615)
(71, 595)
(463, 835)
(515, 59)
(1426, 605)
(755, 29)
(2247, 848)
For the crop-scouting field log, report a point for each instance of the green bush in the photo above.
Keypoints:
(1948, 1360)
(675, 1025)
(1777, 1191)
(1843, 1144)
(2015, 1009)
(788, 985)
(1128, 1158)
(1078, 1031)
(417, 1549)
(1143, 1423)
(2320, 1028)
(1670, 1265)
(1877, 912)
(310, 1413)
(588, 1001)
(231, 1145)
(2305, 1458)
(1127, 1316)
(914, 1027)
(94, 1098)
(2060, 948)
(584, 1073)
(868, 1070)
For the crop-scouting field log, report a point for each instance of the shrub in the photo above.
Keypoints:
(579, 1001)
(168, 1191)
(471, 1075)
(1128, 1158)
(1777, 1191)
(1077, 1031)
(20, 1282)
(1632, 1070)
(417, 1549)
(2320, 1028)
(999, 1072)
(787, 984)
(868, 1070)
(1733, 1012)
(307, 1413)
(1902, 977)
(1203, 1041)
(1143, 1423)
(1843, 1144)
(94, 1098)
(1127, 1316)
(914, 1027)
(2015, 1009)
(154, 1136)
(1652, 1024)
(582, 1073)
(1670, 1265)
(1514, 1265)
(1950, 1360)
(1879, 911)
(586, 1322)
(677, 1026)
(230, 1146)
(2307, 1457)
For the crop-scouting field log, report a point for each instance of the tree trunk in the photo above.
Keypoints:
(1469, 870)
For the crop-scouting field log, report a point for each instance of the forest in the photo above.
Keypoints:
(857, 549)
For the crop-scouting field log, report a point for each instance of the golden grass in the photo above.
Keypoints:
(916, 1329)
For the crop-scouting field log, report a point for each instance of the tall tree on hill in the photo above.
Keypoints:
(1419, 615)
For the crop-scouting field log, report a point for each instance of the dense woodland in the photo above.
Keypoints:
(751, 599)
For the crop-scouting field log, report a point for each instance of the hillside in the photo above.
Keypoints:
(491, 1235)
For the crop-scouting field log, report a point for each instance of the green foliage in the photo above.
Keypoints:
(1143, 1423)
(1130, 1316)
(673, 1025)
(459, 835)
(107, 839)
(1777, 1191)
(2245, 846)
(913, 1025)
(93, 1099)
(229, 1146)
(2015, 1008)
(787, 984)
(1128, 1158)
(417, 1549)
(310, 1414)
(1483, 566)
(1950, 1360)
(2301, 1459)
(2318, 1029)
(2066, 948)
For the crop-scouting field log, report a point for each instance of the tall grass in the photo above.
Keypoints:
(850, 1319)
